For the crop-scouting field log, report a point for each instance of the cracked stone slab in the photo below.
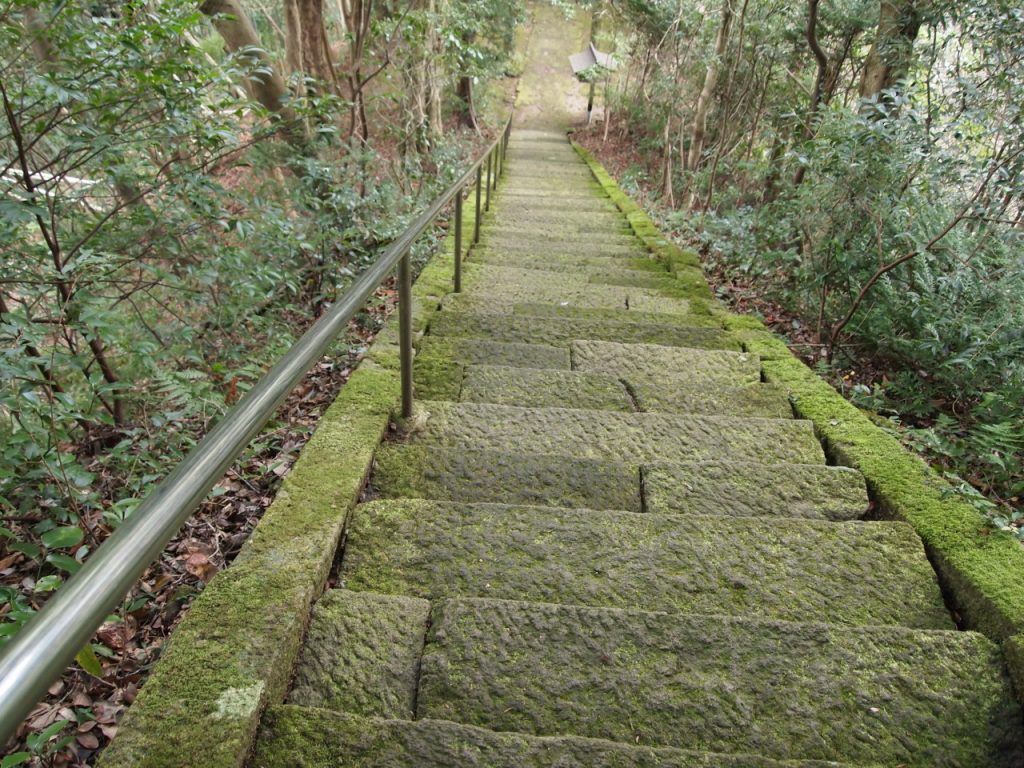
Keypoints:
(314, 738)
(631, 437)
(544, 388)
(474, 475)
(586, 356)
(922, 699)
(586, 295)
(362, 654)
(654, 361)
(744, 489)
(796, 570)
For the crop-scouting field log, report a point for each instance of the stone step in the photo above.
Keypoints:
(699, 315)
(888, 695)
(525, 205)
(588, 356)
(544, 218)
(796, 570)
(632, 437)
(473, 475)
(362, 654)
(533, 388)
(720, 488)
(531, 169)
(499, 274)
(292, 736)
(544, 389)
(601, 229)
(563, 262)
(499, 236)
(540, 188)
(567, 197)
(752, 489)
(580, 270)
(565, 248)
(636, 362)
(439, 365)
(588, 295)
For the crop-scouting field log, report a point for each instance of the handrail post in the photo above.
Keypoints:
(490, 162)
(476, 221)
(458, 242)
(405, 332)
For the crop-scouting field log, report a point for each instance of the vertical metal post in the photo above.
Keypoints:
(405, 332)
(476, 221)
(490, 162)
(458, 241)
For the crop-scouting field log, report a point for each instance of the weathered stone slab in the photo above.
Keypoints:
(565, 242)
(797, 570)
(697, 316)
(922, 699)
(439, 365)
(554, 248)
(362, 654)
(474, 475)
(313, 738)
(594, 359)
(542, 389)
(744, 489)
(562, 263)
(631, 437)
(667, 394)
(655, 361)
(586, 295)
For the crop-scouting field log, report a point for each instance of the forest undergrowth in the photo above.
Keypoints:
(852, 173)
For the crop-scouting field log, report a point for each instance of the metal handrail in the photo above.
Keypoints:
(39, 653)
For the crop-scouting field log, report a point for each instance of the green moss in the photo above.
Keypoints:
(297, 737)
(235, 649)
(361, 654)
(800, 570)
(983, 569)
(921, 699)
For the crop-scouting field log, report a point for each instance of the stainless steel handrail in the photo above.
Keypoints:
(47, 644)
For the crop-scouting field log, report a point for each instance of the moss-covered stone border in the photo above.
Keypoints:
(982, 570)
(234, 652)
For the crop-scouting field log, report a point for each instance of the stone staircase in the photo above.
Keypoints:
(607, 543)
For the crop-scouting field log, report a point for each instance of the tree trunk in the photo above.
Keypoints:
(467, 114)
(889, 60)
(267, 87)
(700, 117)
(306, 48)
(434, 75)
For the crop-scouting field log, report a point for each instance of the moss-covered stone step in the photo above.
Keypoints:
(753, 489)
(922, 699)
(544, 388)
(582, 268)
(561, 262)
(667, 395)
(639, 361)
(567, 198)
(798, 570)
(699, 313)
(554, 188)
(632, 437)
(362, 654)
(606, 229)
(523, 204)
(438, 367)
(498, 236)
(715, 343)
(544, 217)
(301, 737)
(582, 295)
(558, 249)
(472, 475)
